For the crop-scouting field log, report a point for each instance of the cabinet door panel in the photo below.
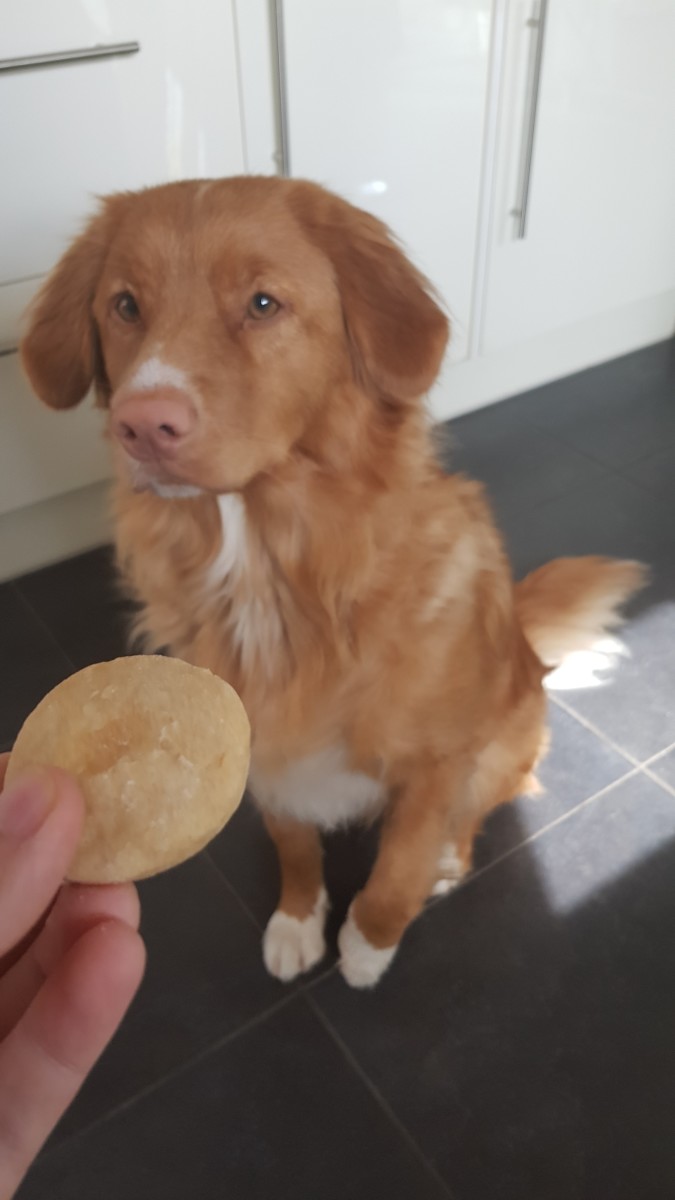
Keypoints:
(600, 231)
(71, 132)
(42, 452)
(386, 105)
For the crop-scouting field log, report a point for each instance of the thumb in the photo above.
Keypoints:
(41, 816)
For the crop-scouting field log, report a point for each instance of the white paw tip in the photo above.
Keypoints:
(451, 870)
(443, 886)
(361, 964)
(292, 946)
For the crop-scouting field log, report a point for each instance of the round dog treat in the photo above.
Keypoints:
(161, 752)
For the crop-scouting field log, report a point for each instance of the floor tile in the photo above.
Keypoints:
(31, 663)
(205, 978)
(612, 516)
(524, 1035)
(277, 1113)
(244, 852)
(578, 765)
(520, 465)
(618, 412)
(656, 473)
(81, 603)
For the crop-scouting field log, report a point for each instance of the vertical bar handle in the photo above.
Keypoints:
(283, 153)
(536, 26)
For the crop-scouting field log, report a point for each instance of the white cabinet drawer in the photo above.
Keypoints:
(42, 452)
(70, 132)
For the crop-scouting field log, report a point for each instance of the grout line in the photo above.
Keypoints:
(42, 623)
(318, 972)
(647, 764)
(572, 712)
(172, 1074)
(235, 894)
(377, 1096)
(659, 754)
(667, 787)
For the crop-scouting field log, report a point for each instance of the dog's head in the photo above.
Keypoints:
(222, 321)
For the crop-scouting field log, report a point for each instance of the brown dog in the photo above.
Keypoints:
(260, 348)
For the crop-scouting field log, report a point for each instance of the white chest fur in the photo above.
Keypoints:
(319, 790)
(254, 620)
(232, 558)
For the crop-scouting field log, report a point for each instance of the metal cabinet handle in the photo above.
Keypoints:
(283, 153)
(59, 58)
(536, 25)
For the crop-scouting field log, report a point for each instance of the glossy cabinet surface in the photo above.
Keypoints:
(600, 229)
(385, 104)
(76, 130)
(72, 131)
(42, 452)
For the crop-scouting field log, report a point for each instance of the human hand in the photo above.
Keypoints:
(65, 988)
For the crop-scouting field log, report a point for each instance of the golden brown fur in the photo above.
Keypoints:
(392, 623)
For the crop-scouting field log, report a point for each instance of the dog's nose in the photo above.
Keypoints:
(153, 427)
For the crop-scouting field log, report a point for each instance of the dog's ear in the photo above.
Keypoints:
(59, 348)
(397, 331)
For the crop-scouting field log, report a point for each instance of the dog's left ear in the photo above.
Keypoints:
(59, 348)
(397, 331)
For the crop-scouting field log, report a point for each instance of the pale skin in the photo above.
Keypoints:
(65, 981)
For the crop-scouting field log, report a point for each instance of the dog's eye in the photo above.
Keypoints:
(261, 306)
(126, 307)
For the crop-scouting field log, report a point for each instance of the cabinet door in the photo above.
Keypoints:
(44, 453)
(385, 104)
(600, 232)
(75, 130)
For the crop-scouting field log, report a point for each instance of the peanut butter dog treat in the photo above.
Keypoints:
(161, 752)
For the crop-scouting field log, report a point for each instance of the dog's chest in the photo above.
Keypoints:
(320, 789)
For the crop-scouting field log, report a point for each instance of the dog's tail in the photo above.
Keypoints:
(570, 603)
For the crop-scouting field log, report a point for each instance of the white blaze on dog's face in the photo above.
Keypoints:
(223, 324)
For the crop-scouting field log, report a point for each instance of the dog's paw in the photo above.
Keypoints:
(451, 870)
(361, 964)
(292, 946)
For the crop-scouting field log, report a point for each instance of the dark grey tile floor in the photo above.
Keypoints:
(522, 1047)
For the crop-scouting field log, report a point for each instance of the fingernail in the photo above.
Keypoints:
(26, 804)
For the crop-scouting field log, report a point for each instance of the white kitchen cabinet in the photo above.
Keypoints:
(418, 111)
(78, 129)
(43, 452)
(164, 107)
(600, 230)
(385, 104)
(414, 109)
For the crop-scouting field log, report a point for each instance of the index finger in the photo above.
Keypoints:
(4, 759)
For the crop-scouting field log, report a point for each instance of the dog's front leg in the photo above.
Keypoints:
(294, 940)
(402, 878)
